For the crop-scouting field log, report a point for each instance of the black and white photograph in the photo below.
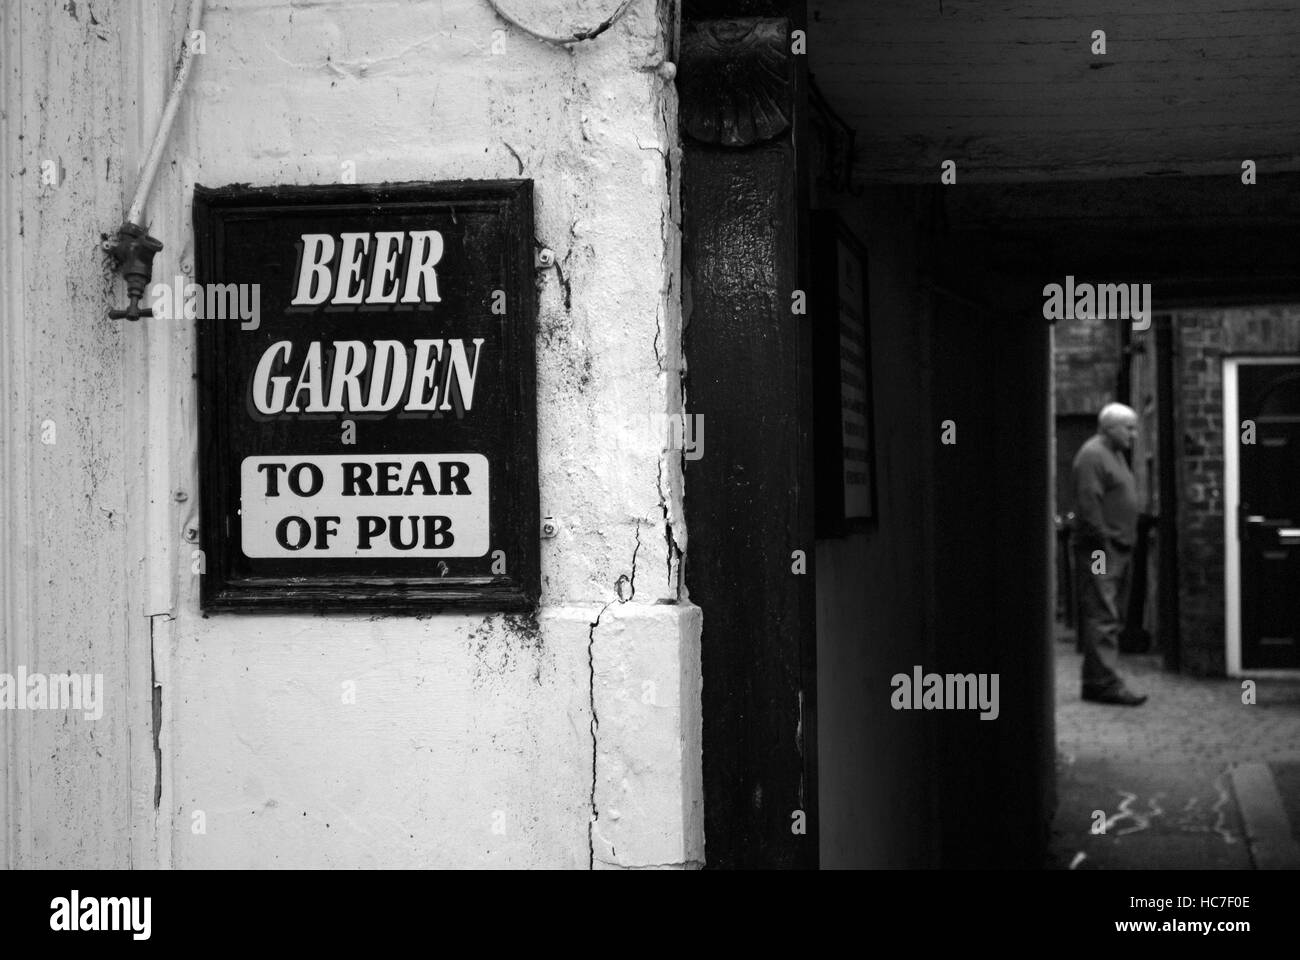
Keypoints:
(854, 436)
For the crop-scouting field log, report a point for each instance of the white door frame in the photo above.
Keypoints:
(1231, 500)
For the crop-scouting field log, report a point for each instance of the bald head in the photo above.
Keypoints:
(1117, 424)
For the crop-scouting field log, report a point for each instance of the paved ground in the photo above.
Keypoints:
(1160, 778)
(1287, 778)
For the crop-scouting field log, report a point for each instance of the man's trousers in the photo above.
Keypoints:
(1103, 601)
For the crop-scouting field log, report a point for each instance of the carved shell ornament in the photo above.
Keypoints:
(735, 80)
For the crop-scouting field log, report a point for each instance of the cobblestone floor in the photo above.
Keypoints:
(1157, 776)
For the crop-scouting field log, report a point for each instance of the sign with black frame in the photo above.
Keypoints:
(844, 433)
(368, 435)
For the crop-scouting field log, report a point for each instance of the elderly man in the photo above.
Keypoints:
(1106, 508)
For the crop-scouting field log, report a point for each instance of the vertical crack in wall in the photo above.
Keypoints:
(591, 691)
(625, 579)
(595, 728)
(635, 551)
(664, 212)
(674, 551)
(565, 285)
(670, 356)
(659, 326)
(156, 691)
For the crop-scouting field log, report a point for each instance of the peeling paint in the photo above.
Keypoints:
(454, 716)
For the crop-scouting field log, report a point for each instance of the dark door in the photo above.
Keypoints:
(1269, 516)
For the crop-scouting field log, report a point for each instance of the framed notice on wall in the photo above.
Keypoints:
(844, 434)
(367, 396)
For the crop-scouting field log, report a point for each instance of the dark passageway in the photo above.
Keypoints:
(956, 196)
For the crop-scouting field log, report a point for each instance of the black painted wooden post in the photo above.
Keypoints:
(749, 498)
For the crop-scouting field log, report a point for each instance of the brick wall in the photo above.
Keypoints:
(1086, 363)
(1203, 337)
(1086, 359)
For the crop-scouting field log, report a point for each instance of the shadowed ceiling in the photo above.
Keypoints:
(1012, 91)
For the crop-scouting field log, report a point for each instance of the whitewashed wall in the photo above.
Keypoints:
(474, 740)
(68, 550)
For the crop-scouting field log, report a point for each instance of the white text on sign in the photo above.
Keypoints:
(351, 272)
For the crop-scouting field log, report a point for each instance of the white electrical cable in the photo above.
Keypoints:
(576, 37)
(187, 61)
(168, 117)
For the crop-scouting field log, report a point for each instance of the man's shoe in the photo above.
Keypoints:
(1121, 696)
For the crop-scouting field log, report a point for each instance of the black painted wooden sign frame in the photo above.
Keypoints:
(844, 436)
(368, 435)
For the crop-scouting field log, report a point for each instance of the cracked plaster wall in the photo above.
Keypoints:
(474, 740)
(567, 739)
